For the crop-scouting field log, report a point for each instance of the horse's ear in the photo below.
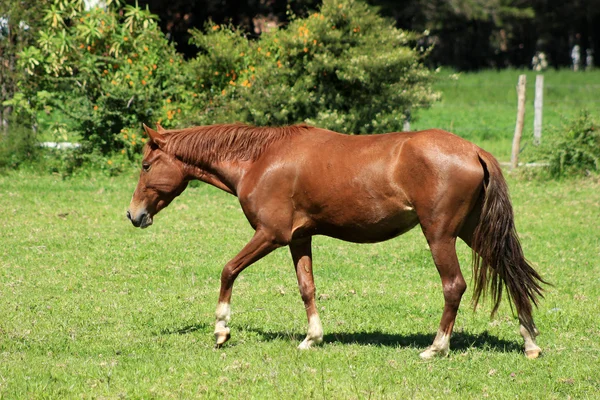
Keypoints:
(159, 128)
(155, 137)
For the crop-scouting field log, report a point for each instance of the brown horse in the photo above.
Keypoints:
(298, 181)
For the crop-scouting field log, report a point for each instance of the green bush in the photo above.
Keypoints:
(573, 149)
(343, 68)
(108, 71)
(95, 75)
(17, 145)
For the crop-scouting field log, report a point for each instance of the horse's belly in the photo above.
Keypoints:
(366, 230)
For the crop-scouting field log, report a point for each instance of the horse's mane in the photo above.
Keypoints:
(214, 143)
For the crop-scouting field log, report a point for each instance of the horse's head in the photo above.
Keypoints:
(162, 178)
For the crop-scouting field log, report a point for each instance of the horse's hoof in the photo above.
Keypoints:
(221, 337)
(304, 345)
(432, 352)
(533, 353)
(309, 343)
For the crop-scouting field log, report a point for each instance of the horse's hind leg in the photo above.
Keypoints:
(302, 256)
(444, 255)
(532, 350)
(440, 223)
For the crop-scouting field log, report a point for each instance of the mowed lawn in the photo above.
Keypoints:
(94, 308)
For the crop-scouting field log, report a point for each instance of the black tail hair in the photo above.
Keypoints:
(498, 259)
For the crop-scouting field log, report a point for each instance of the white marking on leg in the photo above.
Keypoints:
(223, 312)
(440, 346)
(532, 350)
(223, 315)
(315, 333)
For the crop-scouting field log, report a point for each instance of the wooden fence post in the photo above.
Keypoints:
(538, 104)
(406, 126)
(516, 145)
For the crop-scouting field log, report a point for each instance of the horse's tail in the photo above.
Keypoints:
(498, 258)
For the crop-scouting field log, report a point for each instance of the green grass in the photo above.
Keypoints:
(93, 308)
(482, 106)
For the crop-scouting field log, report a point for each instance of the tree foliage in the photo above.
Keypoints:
(106, 70)
(345, 68)
(468, 34)
(19, 20)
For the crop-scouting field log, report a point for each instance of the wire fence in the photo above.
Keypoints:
(485, 110)
(490, 110)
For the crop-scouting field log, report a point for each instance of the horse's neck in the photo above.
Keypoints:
(234, 145)
(225, 175)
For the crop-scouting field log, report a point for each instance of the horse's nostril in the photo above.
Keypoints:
(140, 219)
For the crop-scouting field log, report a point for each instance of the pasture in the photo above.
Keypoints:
(94, 308)
(482, 106)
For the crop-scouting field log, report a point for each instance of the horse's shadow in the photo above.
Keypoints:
(184, 330)
(461, 341)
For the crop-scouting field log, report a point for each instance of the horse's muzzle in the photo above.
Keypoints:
(142, 220)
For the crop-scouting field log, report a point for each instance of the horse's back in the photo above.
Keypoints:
(423, 155)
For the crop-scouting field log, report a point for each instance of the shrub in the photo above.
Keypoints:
(108, 70)
(573, 149)
(17, 145)
(102, 72)
(344, 68)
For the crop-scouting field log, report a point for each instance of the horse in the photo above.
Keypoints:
(295, 182)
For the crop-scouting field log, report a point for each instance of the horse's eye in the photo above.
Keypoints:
(145, 166)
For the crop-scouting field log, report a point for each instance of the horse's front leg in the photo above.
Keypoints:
(259, 246)
(302, 256)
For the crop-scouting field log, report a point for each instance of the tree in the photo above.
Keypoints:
(106, 70)
(19, 20)
(344, 68)
(253, 17)
(467, 34)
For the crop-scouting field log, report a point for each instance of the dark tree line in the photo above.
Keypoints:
(466, 34)
(253, 16)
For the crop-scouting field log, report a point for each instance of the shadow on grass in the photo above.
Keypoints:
(460, 340)
(183, 330)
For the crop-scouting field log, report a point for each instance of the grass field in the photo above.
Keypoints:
(93, 308)
(482, 106)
